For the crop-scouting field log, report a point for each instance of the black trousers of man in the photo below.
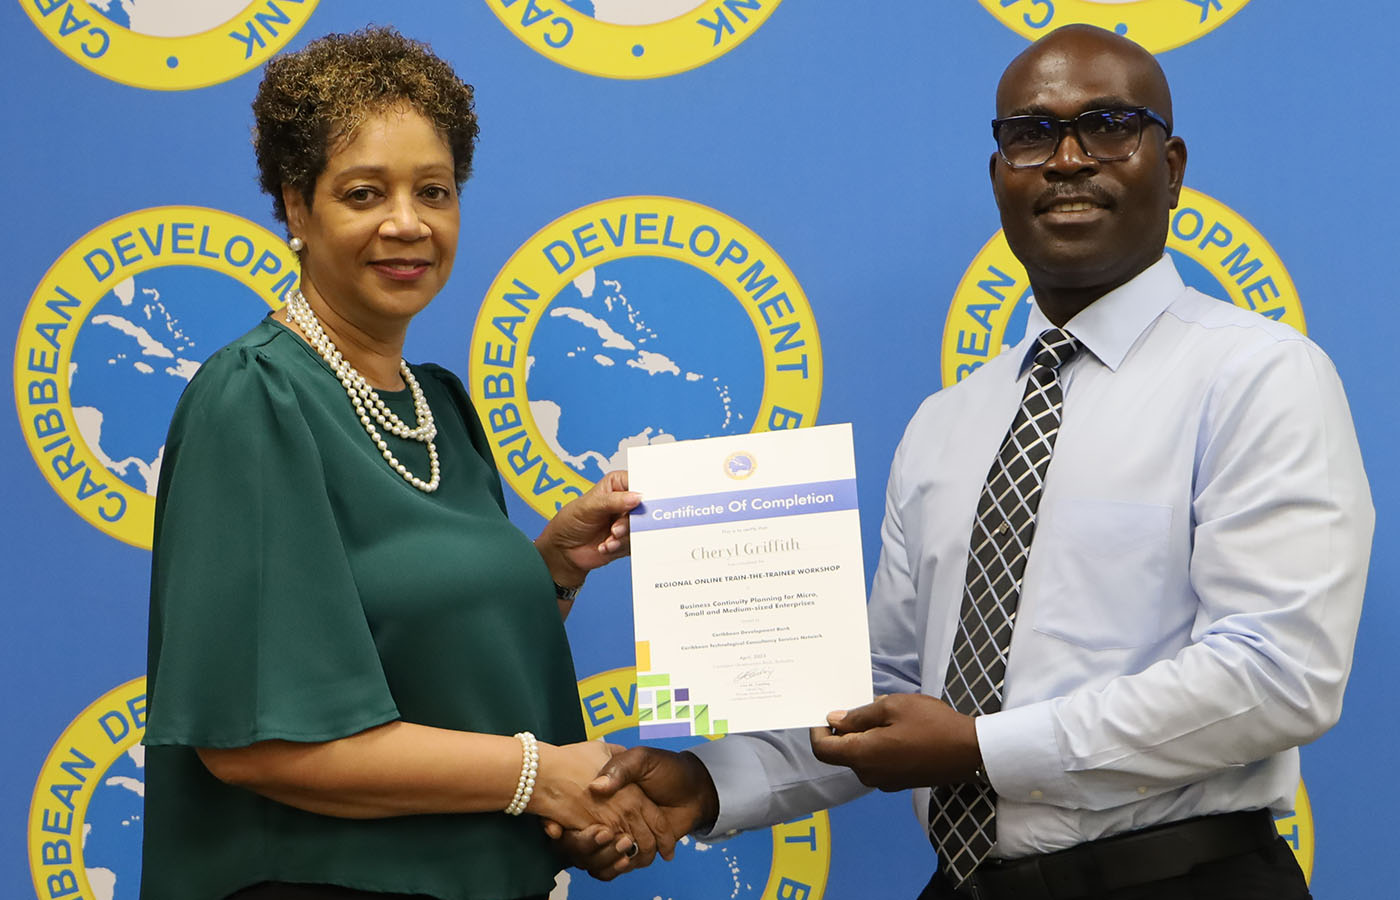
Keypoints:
(1270, 873)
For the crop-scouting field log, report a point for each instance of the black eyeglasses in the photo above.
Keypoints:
(1105, 134)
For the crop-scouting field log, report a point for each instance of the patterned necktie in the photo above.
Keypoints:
(961, 817)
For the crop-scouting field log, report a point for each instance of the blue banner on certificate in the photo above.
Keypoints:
(748, 586)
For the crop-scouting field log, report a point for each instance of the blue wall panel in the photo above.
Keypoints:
(851, 138)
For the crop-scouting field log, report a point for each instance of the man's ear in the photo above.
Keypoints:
(1175, 152)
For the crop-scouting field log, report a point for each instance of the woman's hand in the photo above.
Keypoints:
(678, 783)
(625, 820)
(589, 532)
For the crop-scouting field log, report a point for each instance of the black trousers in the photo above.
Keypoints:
(1270, 873)
(271, 890)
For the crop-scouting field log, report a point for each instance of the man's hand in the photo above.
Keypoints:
(901, 741)
(679, 785)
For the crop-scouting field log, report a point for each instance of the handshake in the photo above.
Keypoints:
(643, 800)
(638, 805)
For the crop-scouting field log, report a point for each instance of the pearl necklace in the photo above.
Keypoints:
(368, 404)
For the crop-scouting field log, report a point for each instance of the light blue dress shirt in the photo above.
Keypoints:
(1190, 603)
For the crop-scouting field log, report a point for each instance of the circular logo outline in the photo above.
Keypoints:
(78, 280)
(801, 848)
(1156, 26)
(188, 62)
(607, 230)
(741, 475)
(51, 845)
(580, 42)
(1201, 228)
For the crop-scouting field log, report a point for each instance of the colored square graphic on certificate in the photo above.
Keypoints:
(748, 583)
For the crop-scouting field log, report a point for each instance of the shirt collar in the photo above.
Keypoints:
(1110, 325)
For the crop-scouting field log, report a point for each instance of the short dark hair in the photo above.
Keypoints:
(317, 96)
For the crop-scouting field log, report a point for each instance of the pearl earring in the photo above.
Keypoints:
(297, 244)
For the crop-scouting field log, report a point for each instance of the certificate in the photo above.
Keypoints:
(748, 584)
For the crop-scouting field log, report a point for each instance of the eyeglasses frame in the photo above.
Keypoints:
(1064, 126)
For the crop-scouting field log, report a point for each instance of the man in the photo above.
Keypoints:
(1186, 615)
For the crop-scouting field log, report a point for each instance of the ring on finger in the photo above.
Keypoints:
(633, 850)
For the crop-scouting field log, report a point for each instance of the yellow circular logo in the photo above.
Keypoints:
(801, 849)
(85, 816)
(635, 321)
(1155, 24)
(633, 38)
(1215, 248)
(169, 45)
(739, 465)
(115, 329)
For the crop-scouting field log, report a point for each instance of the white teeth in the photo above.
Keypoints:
(1072, 207)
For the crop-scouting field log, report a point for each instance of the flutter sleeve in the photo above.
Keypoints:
(256, 629)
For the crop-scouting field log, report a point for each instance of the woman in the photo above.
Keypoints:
(359, 677)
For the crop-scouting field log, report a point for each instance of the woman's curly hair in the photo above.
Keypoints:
(316, 97)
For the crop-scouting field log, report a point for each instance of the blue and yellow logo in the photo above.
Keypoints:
(113, 333)
(635, 321)
(169, 45)
(85, 815)
(1155, 24)
(633, 38)
(798, 856)
(1215, 248)
(739, 465)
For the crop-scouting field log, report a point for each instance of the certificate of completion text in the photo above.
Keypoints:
(748, 587)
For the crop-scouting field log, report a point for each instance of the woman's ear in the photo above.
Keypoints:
(297, 212)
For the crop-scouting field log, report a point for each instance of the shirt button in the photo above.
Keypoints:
(1037, 794)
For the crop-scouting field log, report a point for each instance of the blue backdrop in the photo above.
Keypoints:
(845, 142)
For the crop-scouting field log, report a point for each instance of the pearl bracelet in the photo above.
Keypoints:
(529, 767)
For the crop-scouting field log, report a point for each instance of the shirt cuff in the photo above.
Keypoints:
(1020, 755)
(741, 782)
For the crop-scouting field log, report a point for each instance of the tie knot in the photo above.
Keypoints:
(1054, 347)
